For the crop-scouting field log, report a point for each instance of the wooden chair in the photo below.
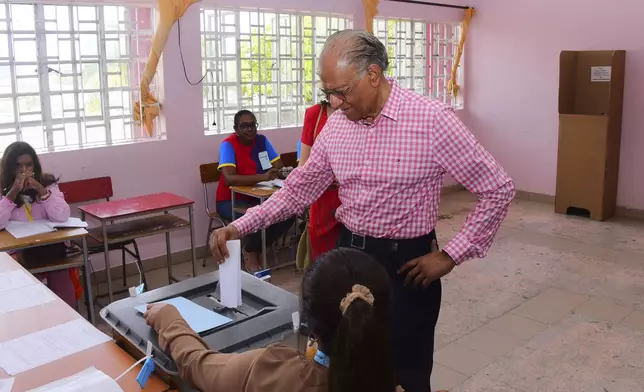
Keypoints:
(210, 174)
(289, 159)
(100, 188)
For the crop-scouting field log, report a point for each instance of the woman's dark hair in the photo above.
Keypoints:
(10, 163)
(359, 341)
(241, 113)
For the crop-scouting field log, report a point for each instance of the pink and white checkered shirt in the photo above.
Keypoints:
(390, 175)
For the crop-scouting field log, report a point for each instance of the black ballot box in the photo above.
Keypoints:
(265, 317)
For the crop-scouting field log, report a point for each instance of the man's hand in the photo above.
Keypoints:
(218, 241)
(425, 270)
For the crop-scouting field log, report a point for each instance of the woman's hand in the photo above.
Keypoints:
(31, 182)
(19, 184)
(152, 315)
(271, 174)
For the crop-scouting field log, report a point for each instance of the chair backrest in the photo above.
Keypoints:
(87, 190)
(209, 172)
(289, 159)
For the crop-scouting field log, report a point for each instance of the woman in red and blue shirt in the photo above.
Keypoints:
(246, 158)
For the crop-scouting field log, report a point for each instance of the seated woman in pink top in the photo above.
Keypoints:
(29, 194)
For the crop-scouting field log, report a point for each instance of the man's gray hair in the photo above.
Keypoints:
(358, 48)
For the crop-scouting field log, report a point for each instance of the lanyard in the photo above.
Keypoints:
(27, 207)
(322, 359)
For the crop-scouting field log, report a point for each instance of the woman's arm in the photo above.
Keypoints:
(6, 208)
(206, 369)
(305, 152)
(55, 205)
(232, 178)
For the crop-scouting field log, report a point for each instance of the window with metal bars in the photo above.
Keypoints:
(421, 55)
(69, 74)
(262, 61)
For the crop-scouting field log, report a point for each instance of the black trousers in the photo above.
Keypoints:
(415, 310)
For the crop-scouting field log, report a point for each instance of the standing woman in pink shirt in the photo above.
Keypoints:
(29, 194)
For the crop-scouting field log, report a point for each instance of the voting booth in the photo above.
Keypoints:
(264, 317)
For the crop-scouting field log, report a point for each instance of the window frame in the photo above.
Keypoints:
(213, 89)
(134, 58)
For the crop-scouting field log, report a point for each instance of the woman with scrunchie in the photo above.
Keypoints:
(345, 301)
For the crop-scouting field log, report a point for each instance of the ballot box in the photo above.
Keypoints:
(265, 317)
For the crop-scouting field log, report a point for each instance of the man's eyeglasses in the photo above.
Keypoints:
(340, 94)
(245, 126)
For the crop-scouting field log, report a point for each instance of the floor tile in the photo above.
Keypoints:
(462, 359)
(516, 326)
(445, 379)
(489, 342)
(635, 321)
(550, 306)
(603, 310)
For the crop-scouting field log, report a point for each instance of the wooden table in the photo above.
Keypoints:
(138, 207)
(261, 194)
(9, 243)
(107, 357)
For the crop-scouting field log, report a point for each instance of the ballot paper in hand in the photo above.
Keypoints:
(89, 379)
(198, 318)
(230, 276)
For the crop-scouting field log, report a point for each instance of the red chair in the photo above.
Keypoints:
(94, 189)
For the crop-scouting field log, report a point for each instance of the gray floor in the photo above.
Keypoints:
(558, 305)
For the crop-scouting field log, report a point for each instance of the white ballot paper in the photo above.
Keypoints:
(15, 280)
(42, 347)
(25, 297)
(6, 384)
(89, 379)
(230, 276)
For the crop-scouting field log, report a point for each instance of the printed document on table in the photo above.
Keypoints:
(39, 348)
(6, 384)
(24, 297)
(28, 229)
(15, 280)
(89, 379)
(72, 223)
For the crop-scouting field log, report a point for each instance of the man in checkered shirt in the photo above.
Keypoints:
(389, 150)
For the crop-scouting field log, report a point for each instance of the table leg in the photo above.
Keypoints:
(264, 263)
(232, 204)
(168, 255)
(108, 270)
(192, 242)
(88, 283)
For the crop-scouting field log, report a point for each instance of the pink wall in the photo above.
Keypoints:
(172, 164)
(512, 81)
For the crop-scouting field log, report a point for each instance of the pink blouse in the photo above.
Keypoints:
(55, 208)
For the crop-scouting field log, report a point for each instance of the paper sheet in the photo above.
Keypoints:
(276, 183)
(6, 384)
(230, 276)
(89, 379)
(198, 318)
(39, 348)
(15, 279)
(70, 224)
(24, 298)
(28, 229)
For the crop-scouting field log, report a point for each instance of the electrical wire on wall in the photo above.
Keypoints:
(185, 73)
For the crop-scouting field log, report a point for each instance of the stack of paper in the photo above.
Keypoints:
(230, 276)
(15, 280)
(198, 318)
(25, 297)
(6, 384)
(28, 229)
(39, 348)
(89, 379)
(276, 183)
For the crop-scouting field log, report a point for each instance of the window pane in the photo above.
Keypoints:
(240, 53)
